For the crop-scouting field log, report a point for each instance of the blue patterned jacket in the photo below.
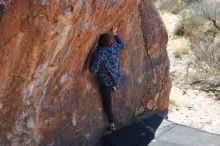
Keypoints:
(105, 63)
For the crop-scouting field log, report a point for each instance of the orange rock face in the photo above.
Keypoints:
(48, 96)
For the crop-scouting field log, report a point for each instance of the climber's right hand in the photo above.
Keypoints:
(114, 30)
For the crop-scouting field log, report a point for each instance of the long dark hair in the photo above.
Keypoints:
(105, 40)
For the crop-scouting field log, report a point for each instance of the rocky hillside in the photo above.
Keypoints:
(48, 96)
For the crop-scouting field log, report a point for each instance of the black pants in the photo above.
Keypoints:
(106, 96)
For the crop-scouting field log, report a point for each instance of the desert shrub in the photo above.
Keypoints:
(211, 10)
(170, 21)
(210, 55)
(181, 47)
(193, 25)
(179, 29)
(207, 64)
(173, 6)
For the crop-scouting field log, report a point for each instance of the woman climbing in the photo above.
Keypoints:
(105, 64)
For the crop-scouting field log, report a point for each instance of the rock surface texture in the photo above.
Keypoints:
(48, 96)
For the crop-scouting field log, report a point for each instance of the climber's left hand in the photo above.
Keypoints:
(114, 88)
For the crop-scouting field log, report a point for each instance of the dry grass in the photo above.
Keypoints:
(170, 20)
(173, 102)
(179, 29)
(181, 47)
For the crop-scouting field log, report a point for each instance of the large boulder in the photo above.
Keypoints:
(48, 96)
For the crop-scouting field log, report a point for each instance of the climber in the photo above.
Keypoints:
(105, 64)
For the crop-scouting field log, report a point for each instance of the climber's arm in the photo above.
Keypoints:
(95, 64)
(119, 42)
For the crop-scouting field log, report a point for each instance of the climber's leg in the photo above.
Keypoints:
(107, 102)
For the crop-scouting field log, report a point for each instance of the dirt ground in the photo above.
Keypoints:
(195, 109)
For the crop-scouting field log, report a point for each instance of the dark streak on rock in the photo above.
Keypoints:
(2, 11)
